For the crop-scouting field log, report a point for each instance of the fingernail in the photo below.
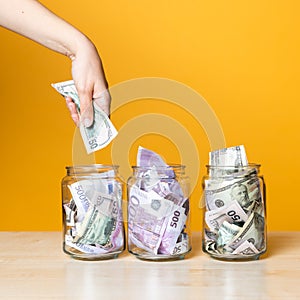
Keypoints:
(87, 122)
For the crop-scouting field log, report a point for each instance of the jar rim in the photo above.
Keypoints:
(250, 165)
(171, 166)
(92, 166)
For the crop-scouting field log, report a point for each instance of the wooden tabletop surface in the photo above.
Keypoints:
(33, 266)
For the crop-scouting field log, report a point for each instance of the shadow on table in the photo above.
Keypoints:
(275, 245)
(196, 243)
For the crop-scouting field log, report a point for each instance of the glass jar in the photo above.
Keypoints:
(92, 212)
(234, 218)
(158, 213)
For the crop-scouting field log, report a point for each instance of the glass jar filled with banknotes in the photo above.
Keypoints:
(92, 212)
(234, 219)
(158, 212)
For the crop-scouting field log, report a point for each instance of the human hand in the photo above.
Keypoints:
(91, 84)
(41, 25)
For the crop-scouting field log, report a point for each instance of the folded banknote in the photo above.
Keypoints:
(101, 132)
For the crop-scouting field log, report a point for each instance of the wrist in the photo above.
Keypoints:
(82, 44)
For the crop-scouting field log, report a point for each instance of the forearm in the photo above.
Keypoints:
(31, 19)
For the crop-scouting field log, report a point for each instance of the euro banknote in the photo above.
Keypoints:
(157, 208)
(93, 216)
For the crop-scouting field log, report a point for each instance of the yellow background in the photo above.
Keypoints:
(241, 56)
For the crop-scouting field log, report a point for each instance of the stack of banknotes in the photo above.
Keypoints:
(101, 132)
(157, 208)
(235, 210)
(93, 216)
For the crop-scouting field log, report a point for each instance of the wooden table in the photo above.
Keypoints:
(33, 266)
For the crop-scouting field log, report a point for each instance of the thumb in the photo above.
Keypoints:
(86, 109)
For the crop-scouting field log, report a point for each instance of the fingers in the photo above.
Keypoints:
(73, 111)
(86, 107)
(103, 101)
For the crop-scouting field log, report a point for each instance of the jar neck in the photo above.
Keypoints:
(104, 170)
(170, 171)
(227, 171)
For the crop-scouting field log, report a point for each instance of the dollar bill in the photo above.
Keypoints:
(234, 216)
(232, 213)
(96, 228)
(227, 160)
(70, 211)
(245, 190)
(101, 132)
(226, 233)
(231, 239)
(182, 244)
(83, 248)
(246, 248)
(209, 243)
(229, 157)
(252, 231)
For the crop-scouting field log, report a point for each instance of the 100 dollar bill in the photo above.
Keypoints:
(229, 157)
(101, 132)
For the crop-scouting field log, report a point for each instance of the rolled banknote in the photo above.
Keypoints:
(101, 132)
